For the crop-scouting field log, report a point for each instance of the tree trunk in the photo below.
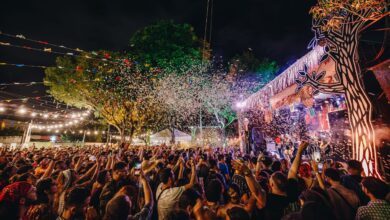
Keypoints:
(223, 136)
(173, 138)
(123, 136)
(359, 107)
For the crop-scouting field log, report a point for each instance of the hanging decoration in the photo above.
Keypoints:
(49, 50)
(89, 55)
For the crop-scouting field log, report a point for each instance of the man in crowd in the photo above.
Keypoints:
(76, 205)
(353, 179)
(344, 201)
(377, 209)
(119, 174)
(167, 194)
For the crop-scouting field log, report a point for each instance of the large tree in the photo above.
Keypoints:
(114, 89)
(337, 25)
(166, 45)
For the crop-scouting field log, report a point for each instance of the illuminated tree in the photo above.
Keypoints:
(114, 89)
(130, 99)
(337, 25)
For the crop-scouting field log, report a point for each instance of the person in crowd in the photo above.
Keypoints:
(284, 166)
(119, 173)
(233, 200)
(239, 179)
(353, 180)
(15, 200)
(378, 208)
(43, 207)
(223, 167)
(237, 213)
(120, 205)
(314, 205)
(213, 192)
(6, 174)
(103, 177)
(76, 205)
(214, 173)
(191, 201)
(167, 195)
(344, 201)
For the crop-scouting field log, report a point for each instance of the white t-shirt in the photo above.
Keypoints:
(168, 199)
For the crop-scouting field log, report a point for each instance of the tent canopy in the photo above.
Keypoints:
(165, 136)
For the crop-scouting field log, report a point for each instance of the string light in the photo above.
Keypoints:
(22, 111)
(2, 109)
(33, 114)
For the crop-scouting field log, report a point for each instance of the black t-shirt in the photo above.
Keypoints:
(352, 182)
(278, 206)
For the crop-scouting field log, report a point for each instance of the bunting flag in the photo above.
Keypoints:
(88, 54)
(50, 50)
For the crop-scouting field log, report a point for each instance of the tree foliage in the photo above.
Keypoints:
(166, 45)
(247, 67)
(116, 90)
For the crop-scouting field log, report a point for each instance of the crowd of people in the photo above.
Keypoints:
(161, 182)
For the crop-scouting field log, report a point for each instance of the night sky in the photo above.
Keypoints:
(276, 29)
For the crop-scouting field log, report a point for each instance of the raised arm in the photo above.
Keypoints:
(79, 162)
(88, 174)
(147, 191)
(193, 176)
(109, 162)
(256, 190)
(314, 165)
(292, 173)
(48, 170)
(151, 167)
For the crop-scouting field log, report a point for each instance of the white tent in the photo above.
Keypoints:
(165, 136)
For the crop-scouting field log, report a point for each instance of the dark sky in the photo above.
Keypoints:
(277, 29)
